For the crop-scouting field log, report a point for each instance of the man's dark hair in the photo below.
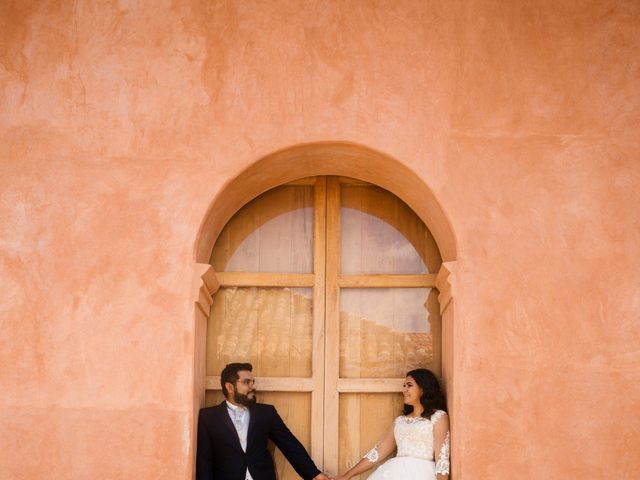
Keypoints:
(230, 374)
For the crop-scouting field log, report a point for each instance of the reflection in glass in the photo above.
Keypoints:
(384, 332)
(273, 233)
(268, 327)
(381, 234)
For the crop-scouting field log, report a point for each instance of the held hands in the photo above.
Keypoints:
(322, 476)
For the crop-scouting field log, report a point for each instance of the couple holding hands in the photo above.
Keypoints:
(232, 436)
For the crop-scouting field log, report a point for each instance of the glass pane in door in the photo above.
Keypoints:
(269, 327)
(272, 233)
(379, 233)
(384, 332)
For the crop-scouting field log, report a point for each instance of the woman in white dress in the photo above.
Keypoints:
(421, 435)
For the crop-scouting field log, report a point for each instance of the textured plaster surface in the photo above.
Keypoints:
(120, 121)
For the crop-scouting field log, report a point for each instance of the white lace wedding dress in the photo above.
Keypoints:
(415, 459)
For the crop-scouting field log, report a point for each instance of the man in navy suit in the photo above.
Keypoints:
(232, 436)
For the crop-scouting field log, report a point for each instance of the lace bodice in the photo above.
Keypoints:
(414, 436)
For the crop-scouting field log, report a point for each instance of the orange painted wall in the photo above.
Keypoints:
(120, 121)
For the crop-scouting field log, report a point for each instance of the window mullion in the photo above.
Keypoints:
(318, 358)
(332, 326)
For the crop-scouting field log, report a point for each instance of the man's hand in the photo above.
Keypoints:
(321, 476)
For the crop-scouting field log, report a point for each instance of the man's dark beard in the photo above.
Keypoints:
(243, 399)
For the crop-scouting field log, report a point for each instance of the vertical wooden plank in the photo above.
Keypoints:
(294, 408)
(350, 334)
(351, 261)
(301, 335)
(351, 231)
(332, 327)
(373, 427)
(350, 421)
(318, 358)
(274, 324)
(378, 232)
(274, 230)
(303, 258)
(276, 213)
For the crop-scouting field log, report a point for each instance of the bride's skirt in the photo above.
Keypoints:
(405, 468)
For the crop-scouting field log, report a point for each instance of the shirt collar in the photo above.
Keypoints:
(235, 407)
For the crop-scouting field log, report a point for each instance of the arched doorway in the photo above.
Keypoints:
(315, 329)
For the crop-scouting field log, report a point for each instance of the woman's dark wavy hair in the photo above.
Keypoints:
(432, 398)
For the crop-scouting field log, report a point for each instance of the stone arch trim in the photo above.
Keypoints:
(326, 158)
(445, 283)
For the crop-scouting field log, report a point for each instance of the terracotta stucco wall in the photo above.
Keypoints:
(121, 121)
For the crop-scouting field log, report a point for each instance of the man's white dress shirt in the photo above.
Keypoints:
(240, 419)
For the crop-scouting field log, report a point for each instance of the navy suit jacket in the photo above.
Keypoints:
(220, 456)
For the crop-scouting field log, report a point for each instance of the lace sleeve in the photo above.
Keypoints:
(437, 415)
(442, 464)
(372, 455)
(442, 461)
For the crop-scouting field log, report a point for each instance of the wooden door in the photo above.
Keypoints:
(327, 288)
